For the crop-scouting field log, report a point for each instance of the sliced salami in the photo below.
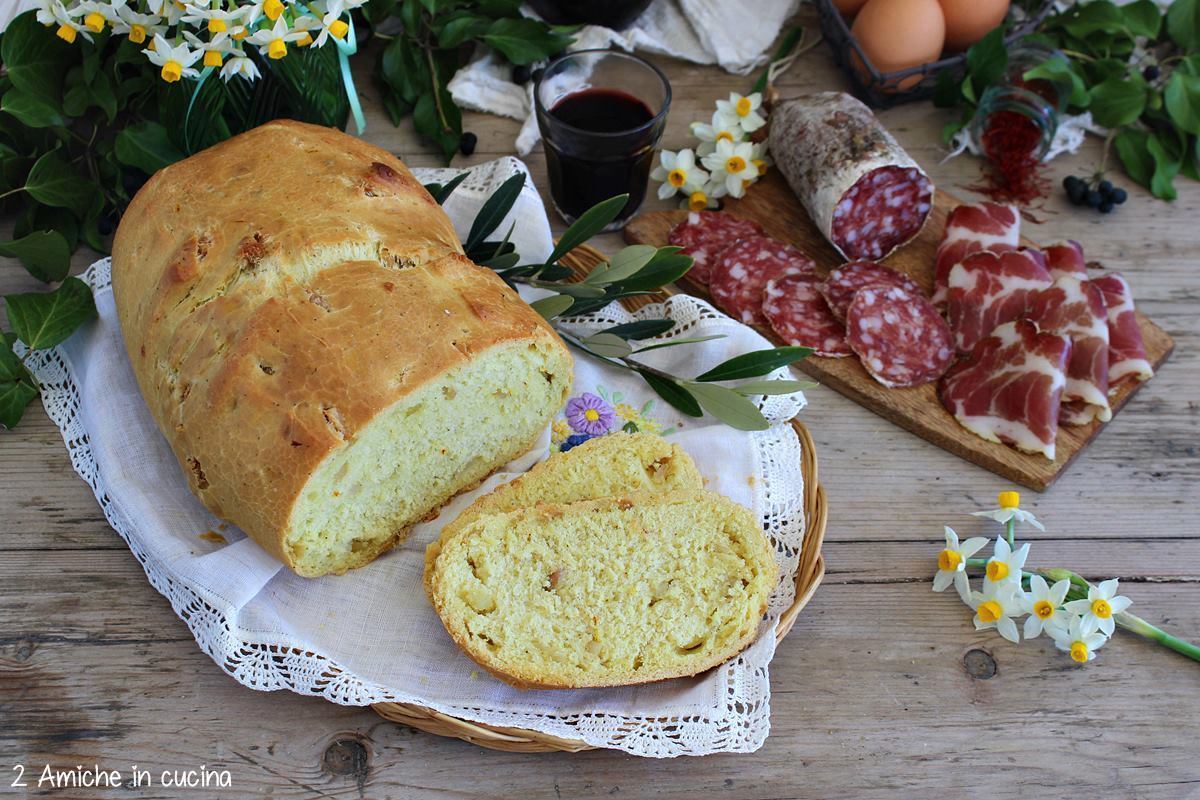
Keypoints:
(899, 335)
(740, 275)
(847, 280)
(797, 312)
(704, 235)
(865, 194)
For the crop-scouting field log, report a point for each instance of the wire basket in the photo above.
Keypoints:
(882, 89)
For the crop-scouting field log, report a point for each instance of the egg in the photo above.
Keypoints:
(898, 34)
(848, 8)
(968, 21)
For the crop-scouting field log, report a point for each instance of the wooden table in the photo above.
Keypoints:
(883, 689)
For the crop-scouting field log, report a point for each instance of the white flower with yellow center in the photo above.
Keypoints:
(1010, 509)
(952, 563)
(1004, 567)
(138, 27)
(733, 165)
(710, 135)
(55, 15)
(741, 112)
(1079, 638)
(215, 49)
(761, 161)
(273, 41)
(272, 9)
(1101, 605)
(332, 24)
(176, 62)
(240, 65)
(214, 20)
(95, 16)
(678, 173)
(699, 199)
(1043, 604)
(995, 608)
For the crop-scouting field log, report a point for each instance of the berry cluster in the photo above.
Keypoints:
(1100, 195)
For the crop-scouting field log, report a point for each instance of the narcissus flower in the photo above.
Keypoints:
(952, 563)
(1010, 509)
(741, 111)
(1006, 564)
(239, 65)
(176, 62)
(1101, 605)
(678, 173)
(273, 41)
(718, 131)
(1043, 604)
(733, 165)
(1079, 638)
(995, 607)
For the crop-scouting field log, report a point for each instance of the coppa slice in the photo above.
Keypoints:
(1010, 387)
(1126, 351)
(1066, 259)
(797, 312)
(840, 286)
(988, 289)
(741, 273)
(1076, 309)
(704, 235)
(969, 229)
(899, 335)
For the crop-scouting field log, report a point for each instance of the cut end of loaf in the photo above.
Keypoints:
(415, 455)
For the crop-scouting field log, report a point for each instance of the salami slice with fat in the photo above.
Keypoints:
(797, 312)
(847, 280)
(865, 194)
(704, 235)
(899, 335)
(740, 275)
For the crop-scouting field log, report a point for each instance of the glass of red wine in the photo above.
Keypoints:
(601, 114)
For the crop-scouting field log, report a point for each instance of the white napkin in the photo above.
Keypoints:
(371, 635)
(734, 36)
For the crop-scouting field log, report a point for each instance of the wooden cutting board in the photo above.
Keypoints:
(772, 204)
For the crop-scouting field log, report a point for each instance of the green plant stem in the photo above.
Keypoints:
(623, 363)
(1011, 527)
(437, 95)
(12, 191)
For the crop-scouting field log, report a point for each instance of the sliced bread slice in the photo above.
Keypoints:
(608, 592)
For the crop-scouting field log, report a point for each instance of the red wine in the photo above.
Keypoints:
(586, 168)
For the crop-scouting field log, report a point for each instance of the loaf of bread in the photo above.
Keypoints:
(606, 592)
(323, 360)
(617, 464)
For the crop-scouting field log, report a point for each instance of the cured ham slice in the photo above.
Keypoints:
(1126, 351)
(1010, 387)
(1076, 309)
(969, 229)
(1066, 259)
(988, 289)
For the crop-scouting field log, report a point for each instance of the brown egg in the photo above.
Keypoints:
(968, 21)
(898, 34)
(848, 8)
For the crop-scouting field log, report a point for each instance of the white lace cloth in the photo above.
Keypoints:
(371, 636)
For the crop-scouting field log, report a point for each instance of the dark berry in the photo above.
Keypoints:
(1105, 207)
(1094, 199)
(1119, 196)
(466, 145)
(1151, 73)
(1105, 188)
(1069, 181)
(521, 74)
(1076, 192)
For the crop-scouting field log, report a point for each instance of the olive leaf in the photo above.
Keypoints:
(773, 387)
(627, 262)
(642, 329)
(46, 319)
(589, 223)
(675, 395)
(728, 406)
(442, 191)
(751, 365)
(494, 210)
(608, 345)
(553, 306)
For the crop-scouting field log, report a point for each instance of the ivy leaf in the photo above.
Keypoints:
(947, 90)
(1166, 167)
(36, 60)
(1088, 18)
(552, 306)
(45, 319)
(1182, 98)
(608, 345)
(675, 395)
(590, 222)
(729, 407)
(1059, 69)
(443, 127)
(31, 110)
(1131, 148)
(986, 60)
(642, 329)
(1143, 18)
(53, 182)
(45, 254)
(494, 210)
(17, 387)
(147, 146)
(461, 28)
(1183, 24)
(523, 40)
(49, 218)
(773, 387)
(1117, 102)
(751, 365)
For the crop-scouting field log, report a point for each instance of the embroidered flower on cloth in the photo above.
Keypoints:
(590, 414)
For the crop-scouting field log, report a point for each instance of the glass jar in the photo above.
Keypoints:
(1023, 57)
(1019, 115)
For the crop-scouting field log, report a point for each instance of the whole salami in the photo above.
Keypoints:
(798, 313)
(844, 282)
(865, 194)
(704, 235)
(899, 335)
(741, 273)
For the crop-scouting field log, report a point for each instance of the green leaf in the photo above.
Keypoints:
(773, 387)
(49, 218)
(1059, 69)
(552, 306)
(658, 273)
(986, 60)
(17, 387)
(675, 395)
(628, 261)
(1131, 148)
(947, 91)
(46, 319)
(751, 365)
(792, 38)
(1182, 97)
(642, 329)
(1117, 102)
(45, 254)
(147, 146)
(1143, 18)
(461, 28)
(1166, 167)
(494, 210)
(1086, 19)
(31, 110)
(444, 128)
(36, 59)
(729, 407)
(523, 40)
(590, 222)
(441, 191)
(53, 182)
(570, 289)
(681, 340)
(100, 90)
(608, 345)
(1183, 23)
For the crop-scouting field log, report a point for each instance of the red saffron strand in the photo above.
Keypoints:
(1010, 143)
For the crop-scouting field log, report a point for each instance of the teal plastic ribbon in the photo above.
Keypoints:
(204, 73)
(346, 48)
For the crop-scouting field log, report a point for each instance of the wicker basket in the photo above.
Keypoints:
(808, 576)
(880, 89)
